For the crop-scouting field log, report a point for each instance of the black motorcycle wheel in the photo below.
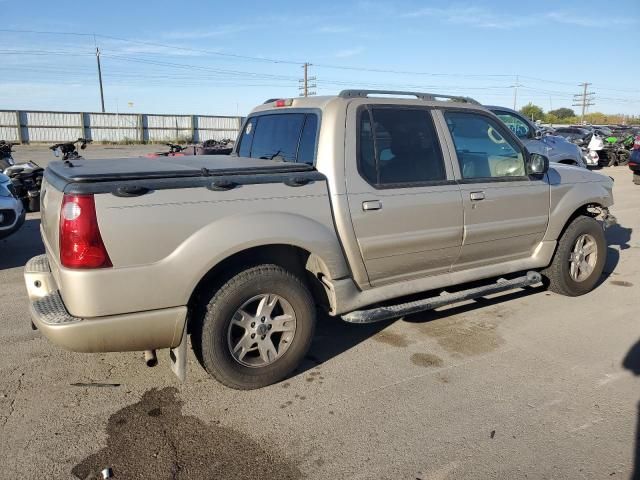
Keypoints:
(623, 158)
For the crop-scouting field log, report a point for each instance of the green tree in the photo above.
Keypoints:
(532, 112)
(562, 113)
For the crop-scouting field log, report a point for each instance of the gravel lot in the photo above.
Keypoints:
(525, 384)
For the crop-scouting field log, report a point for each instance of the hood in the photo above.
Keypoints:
(564, 174)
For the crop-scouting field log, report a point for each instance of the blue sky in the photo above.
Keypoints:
(226, 57)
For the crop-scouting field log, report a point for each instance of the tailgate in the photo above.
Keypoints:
(50, 202)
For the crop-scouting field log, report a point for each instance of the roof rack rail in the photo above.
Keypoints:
(421, 95)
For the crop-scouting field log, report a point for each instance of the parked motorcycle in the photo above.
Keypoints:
(26, 178)
(6, 160)
(215, 147)
(209, 147)
(174, 151)
(68, 150)
(617, 154)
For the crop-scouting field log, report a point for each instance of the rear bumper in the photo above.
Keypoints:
(147, 330)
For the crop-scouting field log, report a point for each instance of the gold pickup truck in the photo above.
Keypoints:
(345, 203)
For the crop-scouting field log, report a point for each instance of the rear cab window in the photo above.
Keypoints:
(289, 137)
(398, 147)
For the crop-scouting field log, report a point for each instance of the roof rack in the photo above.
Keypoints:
(421, 95)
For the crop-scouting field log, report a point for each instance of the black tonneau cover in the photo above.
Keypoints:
(141, 168)
(140, 175)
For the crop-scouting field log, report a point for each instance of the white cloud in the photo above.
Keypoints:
(219, 31)
(334, 29)
(484, 18)
(349, 52)
(580, 21)
(473, 16)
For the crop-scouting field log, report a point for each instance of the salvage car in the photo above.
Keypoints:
(347, 203)
(12, 212)
(557, 148)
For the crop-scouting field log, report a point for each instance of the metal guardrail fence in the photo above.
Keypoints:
(48, 126)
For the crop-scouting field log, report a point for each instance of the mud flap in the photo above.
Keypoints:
(178, 357)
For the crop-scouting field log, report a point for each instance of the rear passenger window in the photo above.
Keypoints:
(399, 146)
(289, 137)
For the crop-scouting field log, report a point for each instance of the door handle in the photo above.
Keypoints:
(475, 196)
(371, 205)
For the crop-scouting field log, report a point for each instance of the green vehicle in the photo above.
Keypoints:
(626, 140)
(617, 143)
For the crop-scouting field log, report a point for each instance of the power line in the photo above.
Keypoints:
(515, 91)
(584, 99)
(155, 44)
(305, 87)
(278, 60)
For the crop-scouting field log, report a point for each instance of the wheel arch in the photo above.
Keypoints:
(308, 266)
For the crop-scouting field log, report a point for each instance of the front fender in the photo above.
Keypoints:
(567, 198)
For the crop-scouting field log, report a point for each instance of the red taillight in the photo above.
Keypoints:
(636, 143)
(81, 245)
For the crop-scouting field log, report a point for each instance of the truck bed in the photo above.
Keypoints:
(163, 222)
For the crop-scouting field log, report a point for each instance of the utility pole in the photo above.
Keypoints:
(584, 99)
(100, 78)
(305, 86)
(515, 91)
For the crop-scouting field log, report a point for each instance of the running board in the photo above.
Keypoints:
(394, 311)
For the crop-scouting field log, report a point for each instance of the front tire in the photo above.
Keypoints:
(636, 178)
(256, 329)
(579, 258)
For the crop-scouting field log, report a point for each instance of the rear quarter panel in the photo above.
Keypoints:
(163, 243)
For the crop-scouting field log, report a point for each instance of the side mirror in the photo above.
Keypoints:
(537, 134)
(537, 164)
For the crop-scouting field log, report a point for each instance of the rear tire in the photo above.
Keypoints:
(230, 336)
(636, 178)
(574, 272)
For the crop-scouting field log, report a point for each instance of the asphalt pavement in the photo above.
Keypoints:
(526, 384)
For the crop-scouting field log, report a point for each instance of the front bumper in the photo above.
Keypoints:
(147, 330)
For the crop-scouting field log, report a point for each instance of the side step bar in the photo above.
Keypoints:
(394, 311)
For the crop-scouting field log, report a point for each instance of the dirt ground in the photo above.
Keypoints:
(526, 384)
